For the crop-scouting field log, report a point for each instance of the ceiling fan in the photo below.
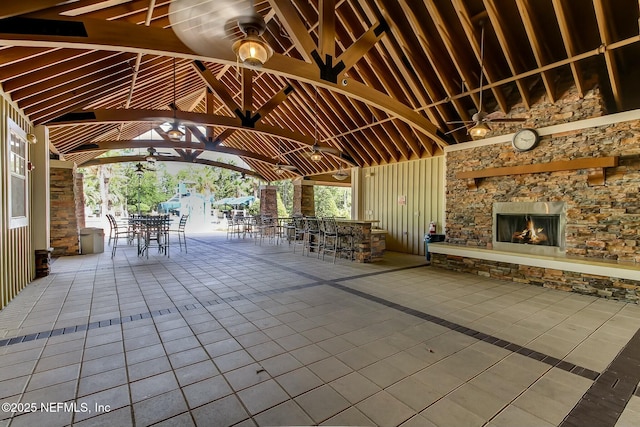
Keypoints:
(280, 169)
(153, 155)
(203, 23)
(315, 151)
(478, 126)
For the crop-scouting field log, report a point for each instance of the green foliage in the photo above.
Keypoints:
(282, 210)
(254, 209)
(332, 201)
(285, 198)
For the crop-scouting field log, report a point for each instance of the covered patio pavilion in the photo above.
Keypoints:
(511, 128)
(241, 334)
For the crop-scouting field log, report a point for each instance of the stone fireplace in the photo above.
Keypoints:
(530, 227)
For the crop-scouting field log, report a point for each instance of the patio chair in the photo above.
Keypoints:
(180, 232)
(298, 232)
(117, 232)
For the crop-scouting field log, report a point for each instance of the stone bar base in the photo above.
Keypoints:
(369, 245)
(622, 286)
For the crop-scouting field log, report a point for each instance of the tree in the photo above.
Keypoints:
(332, 201)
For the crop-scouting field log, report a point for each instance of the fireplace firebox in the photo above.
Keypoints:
(530, 227)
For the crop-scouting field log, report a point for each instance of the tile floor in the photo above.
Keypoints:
(234, 333)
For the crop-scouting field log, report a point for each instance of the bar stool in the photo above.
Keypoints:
(336, 239)
(312, 235)
(298, 232)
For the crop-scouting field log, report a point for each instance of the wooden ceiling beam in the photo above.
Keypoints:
(362, 45)
(142, 159)
(121, 36)
(154, 116)
(297, 31)
(247, 90)
(327, 28)
(532, 30)
(216, 86)
(97, 146)
(569, 45)
(499, 28)
(609, 57)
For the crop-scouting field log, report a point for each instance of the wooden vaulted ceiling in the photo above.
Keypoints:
(377, 79)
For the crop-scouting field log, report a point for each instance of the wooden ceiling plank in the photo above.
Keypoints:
(548, 77)
(610, 60)
(448, 39)
(42, 62)
(569, 45)
(398, 141)
(14, 55)
(503, 39)
(73, 70)
(416, 85)
(72, 80)
(9, 9)
(420, 45)
(472, 33)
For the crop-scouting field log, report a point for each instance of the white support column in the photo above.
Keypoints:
(40, 195)
(357, 194)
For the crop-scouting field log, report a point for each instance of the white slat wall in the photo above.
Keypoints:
(421, 183)
(17, 267)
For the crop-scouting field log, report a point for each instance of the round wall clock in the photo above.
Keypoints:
(525, 139)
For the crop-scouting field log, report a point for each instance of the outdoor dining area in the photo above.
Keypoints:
(339, 238)
(147, 232)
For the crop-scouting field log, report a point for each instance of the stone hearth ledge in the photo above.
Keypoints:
(605, 268)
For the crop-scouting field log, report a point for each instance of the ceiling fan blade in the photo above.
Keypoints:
(455, 122)
(506, 120)
(455, 130)
(199, 23)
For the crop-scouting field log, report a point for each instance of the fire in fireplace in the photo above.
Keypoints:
(530, 227)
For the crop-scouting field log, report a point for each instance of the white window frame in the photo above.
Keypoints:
(17, 170)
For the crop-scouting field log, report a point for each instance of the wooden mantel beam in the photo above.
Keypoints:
(595, 165)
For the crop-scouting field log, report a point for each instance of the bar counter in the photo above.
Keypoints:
(369, 243)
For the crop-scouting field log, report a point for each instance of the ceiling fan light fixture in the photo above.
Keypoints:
(175, 134)
(316, 156)
(341, 175)
(252, 50)
(279, 171)
(479, 131)
(139, 169)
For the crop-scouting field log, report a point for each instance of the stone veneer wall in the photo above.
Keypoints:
(610, 287)
(269, 201)
(303, 199)
(602, 221)
(65, 229)
(78, 190)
